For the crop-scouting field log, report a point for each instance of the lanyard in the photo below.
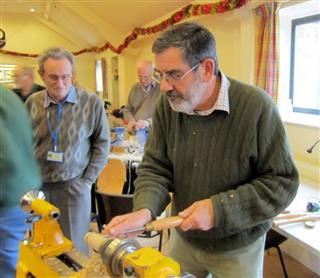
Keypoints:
(55, 133)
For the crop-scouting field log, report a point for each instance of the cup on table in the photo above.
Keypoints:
(141, 135)
(119, 135)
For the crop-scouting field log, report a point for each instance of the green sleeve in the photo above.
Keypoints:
(155, 171)
(18, 168)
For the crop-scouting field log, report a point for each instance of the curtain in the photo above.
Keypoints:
(267, 48)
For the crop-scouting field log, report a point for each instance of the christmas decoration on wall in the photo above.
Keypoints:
(188, 11)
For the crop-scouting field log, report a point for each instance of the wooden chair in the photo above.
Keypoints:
(110, 205)
(274, 239)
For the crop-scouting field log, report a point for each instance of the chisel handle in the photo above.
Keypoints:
(163, 224)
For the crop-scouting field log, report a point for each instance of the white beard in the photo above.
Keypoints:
(179, 103)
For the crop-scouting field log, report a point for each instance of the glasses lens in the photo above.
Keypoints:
(55, 78)
(156, 75)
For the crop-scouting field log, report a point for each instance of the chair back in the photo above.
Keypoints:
(111, 205)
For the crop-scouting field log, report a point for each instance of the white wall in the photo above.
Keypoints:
(28, 35)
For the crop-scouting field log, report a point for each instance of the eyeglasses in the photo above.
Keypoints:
(144, 77)
(172, 77)
(55, 78)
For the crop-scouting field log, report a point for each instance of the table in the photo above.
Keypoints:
(117, 172)
(307, 237)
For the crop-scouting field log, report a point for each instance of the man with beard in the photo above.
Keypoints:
(219, 145)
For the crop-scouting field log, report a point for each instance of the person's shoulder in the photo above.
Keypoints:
(16, 90)
(37, 96)
(10, 103)
(136, 87)
(8, 96)
(249, 91)
(87, 95)
(37, 88)
(84, 92)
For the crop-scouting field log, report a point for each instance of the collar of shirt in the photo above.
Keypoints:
(151, 85)
(71, 97)
(222, 102)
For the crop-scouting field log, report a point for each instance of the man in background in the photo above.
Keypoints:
(142, 97)
(71, 142)
(18, 174)
(25, 85)
(220, 147)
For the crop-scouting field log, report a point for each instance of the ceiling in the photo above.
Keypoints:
(93, 22)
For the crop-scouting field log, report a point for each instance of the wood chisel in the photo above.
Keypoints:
(300, 219)
(158, 225)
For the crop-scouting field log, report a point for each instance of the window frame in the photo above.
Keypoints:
(294, 23)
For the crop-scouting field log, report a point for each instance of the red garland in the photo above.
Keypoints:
(186, 12)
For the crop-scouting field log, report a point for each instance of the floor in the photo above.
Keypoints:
(273, 269)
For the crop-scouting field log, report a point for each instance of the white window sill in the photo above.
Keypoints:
(301, 119)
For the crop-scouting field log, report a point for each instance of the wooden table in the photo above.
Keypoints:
(113, 176)
(309, 238)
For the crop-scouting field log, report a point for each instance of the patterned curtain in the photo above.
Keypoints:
(267, 48)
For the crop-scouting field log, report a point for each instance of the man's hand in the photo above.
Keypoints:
(120, 224)
(199, 216)
(131, 125)
(141, 124)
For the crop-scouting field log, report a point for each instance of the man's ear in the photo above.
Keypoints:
(207, 67)
(41, 75)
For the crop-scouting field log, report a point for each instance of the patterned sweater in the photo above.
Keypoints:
(241, 161)
(83, 136)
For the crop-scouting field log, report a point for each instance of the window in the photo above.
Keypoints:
(99, 76)
(299, 78)
(6, 74)
(305, 65)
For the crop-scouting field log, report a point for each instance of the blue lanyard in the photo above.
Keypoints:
(55, 134)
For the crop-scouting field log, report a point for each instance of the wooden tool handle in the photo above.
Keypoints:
(163, 224)
(289, 216)
(296, 220)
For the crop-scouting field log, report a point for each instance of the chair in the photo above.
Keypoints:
(274, 239)
(111, 205)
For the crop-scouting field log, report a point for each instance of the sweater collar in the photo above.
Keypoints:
(151, 86)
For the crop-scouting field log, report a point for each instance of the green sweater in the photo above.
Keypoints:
(18, 169)
(241, 161)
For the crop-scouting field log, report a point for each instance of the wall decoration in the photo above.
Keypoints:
(188, 11)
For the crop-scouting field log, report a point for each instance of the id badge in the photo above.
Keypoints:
(55, 156)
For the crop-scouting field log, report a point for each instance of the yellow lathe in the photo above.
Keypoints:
(126, 258)
(46, 252)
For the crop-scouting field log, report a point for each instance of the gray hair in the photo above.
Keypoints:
(56, 53)
(194, 40)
